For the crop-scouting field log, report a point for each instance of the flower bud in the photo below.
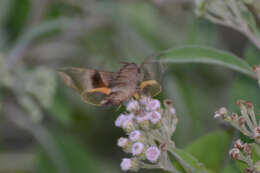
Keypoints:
(119, 121)
(132, 106)
(241, 121)
(234, 116)
(143, 120)
(122, 142)
(135, 135)
(137, 148)
(126, 164)
(129, 164)
(128, 124)
(256, 133)
(234, 153)
(125, 144)
(222, 112)
(249, 105)
(155, 117)
(152, 105)
(239, 102)
(167, 103)
(152, 154)
(247, 170)
(239, 145)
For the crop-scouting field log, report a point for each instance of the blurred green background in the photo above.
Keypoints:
(45, 127)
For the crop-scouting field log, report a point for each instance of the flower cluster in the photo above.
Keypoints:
(246, 123)
(149, 128)
(243, 152)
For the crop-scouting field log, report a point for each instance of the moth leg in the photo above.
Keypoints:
(148, 82)
(104, 90)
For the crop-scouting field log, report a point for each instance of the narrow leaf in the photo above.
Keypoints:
(203, 55)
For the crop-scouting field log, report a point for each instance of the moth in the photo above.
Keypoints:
(103, 88)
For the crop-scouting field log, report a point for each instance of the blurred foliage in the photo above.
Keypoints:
(37, 37)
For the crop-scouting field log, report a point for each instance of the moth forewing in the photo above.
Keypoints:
(91, 84)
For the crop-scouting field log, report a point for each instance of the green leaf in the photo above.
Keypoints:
(230, 169)
(188, 162)
(211, 149)
(203, 55)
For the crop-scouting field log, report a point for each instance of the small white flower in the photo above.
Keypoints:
(152, 154)
(143, 117)
(155, 117)
(126, 164)
(153, 105)
(120, 120)
(132, 105)
(128, 120)
(122, 142)
(137, 148)
(134, 135)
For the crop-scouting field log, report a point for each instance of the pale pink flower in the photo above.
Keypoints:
(137, 148)
(134, 135)
(122, 142)
(126, 164)
(152, 154)
(155, 117)
(120, 120)
(127, 120)
(153, 105)
(132, 105)
(142, 117)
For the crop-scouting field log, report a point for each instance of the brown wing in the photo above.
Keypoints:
(85, 81)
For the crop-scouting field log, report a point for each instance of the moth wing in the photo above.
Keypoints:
(150, 87)
(91, 84)
(153, 71)
(95, 97)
